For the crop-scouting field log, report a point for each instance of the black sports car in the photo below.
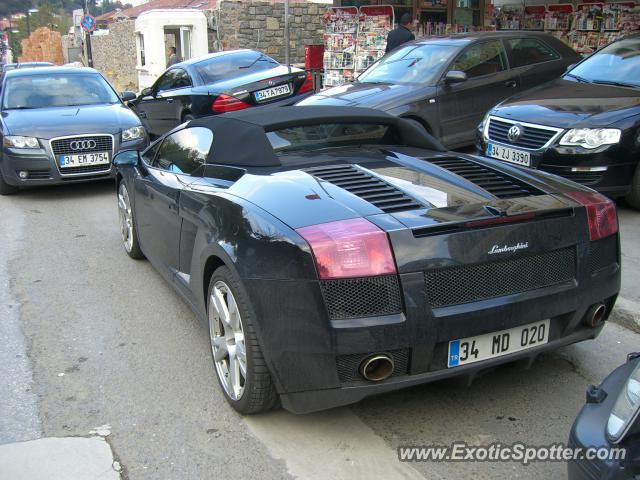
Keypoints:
(217, 83)
(610, 421)
(584, 126)
(447, 84)
(337, 253)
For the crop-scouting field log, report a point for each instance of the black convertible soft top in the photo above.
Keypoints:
(239, 138)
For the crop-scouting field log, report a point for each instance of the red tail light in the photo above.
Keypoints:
(307, 86)
(349, 248)
(601, 213)
(227, 103)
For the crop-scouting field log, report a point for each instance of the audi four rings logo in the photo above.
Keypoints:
(82, 145)
(514, 133)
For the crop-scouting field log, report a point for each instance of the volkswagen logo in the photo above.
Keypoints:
(82, 145)
(514, 133)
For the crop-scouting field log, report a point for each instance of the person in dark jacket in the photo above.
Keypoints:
(400, 35)
(173, 58)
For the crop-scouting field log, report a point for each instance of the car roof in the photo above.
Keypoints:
(249, 128)
(466, 38)
(193, 61)
(43, 70)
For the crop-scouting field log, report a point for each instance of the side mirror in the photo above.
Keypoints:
(127, 96)
(147, 92)
(129, 158)
(455, 76)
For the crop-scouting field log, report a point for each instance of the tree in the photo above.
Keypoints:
(46, 16)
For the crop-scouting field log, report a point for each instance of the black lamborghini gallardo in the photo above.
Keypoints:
(336, 253)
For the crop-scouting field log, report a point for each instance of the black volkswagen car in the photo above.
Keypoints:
(61, 125)
(217, 83)
(336, 253)
(584, 126)
(447, 84)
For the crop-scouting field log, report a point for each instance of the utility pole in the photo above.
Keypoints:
(286, 35)
(87, 39)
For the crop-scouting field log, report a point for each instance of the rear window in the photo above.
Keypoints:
(233, 65)
(527, 51)
(311, 137)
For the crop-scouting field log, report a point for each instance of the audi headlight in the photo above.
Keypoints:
(18, 141)
(625, 410)
(591, 137)
(132, 133)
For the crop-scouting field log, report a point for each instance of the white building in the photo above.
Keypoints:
(156, 30)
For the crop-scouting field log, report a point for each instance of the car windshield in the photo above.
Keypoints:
(331, 135)
(57, 90)
(412, 64)
(615, 64)
(232, 65)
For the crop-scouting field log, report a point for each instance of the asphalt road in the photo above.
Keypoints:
(107, 342)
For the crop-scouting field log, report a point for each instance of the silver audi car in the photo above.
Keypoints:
(60, 125)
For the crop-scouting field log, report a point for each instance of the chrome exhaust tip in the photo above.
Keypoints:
(377, 368)
(595, 315)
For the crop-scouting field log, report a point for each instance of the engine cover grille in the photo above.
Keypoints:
(348, 365)
(470, 283)
(362, 297)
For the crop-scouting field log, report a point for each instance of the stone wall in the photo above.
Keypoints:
(260, 25)
(43, 45)
(114, 55)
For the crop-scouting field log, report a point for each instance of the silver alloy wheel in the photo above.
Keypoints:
(126, 217)
(227, 340)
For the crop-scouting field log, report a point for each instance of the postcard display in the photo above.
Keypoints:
(354, 39)
(585, 28)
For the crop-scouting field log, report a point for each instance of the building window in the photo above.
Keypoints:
(141, 49)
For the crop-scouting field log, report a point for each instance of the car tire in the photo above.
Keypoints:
(128, 227)
(234, 345)
(5, 188)
(633, 197)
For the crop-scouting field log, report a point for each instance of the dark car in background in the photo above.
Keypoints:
(447, 84)
(217, 83)
(337, 253)
(584, 126)
(61, 125)
(610, 422)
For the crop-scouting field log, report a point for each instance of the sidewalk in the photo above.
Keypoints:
(69, 458)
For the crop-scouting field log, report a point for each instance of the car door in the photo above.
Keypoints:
(534, 61)
(161, 111)
(175, 165)
(462, 105)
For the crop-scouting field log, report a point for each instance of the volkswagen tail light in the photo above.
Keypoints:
(349, 248)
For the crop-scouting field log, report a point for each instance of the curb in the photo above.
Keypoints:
(627, 314)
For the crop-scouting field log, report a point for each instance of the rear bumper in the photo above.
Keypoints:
(307, 353)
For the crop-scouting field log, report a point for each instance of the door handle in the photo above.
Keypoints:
(511, 83)
(169, 100)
